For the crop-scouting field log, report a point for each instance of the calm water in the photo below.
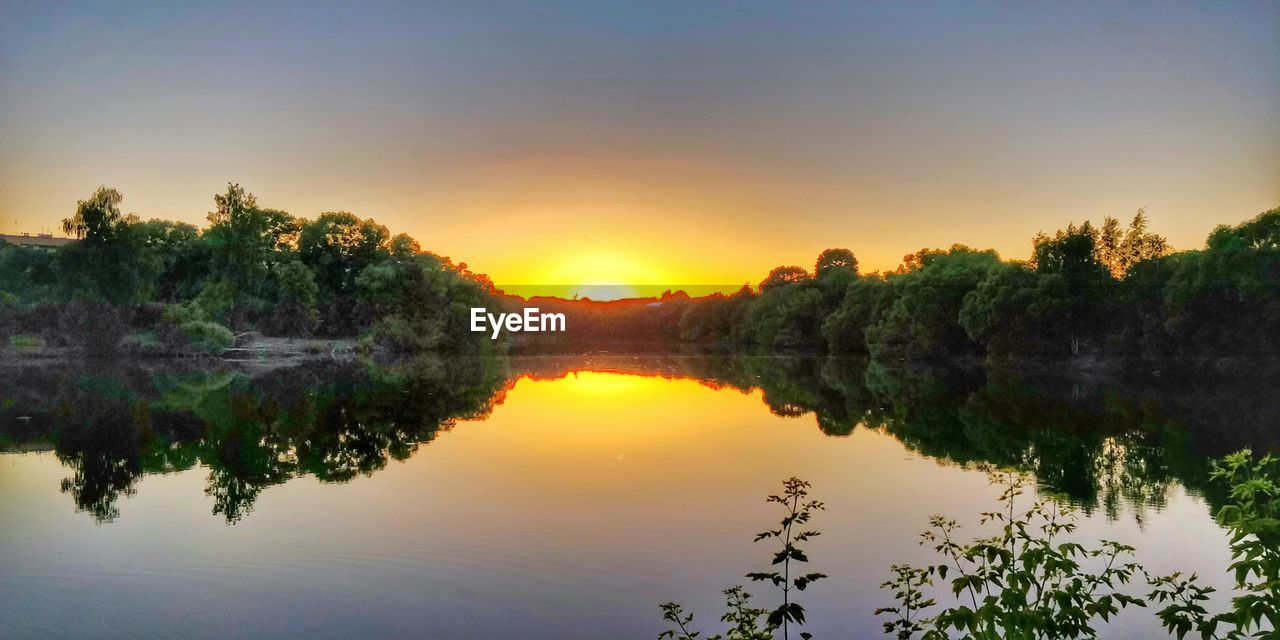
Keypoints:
(550, 497)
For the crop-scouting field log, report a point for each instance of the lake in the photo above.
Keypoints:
(558, 496)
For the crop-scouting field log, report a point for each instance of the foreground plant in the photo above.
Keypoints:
(1030, 581)
(1253, 518)
(745, 619)
(1025, 583)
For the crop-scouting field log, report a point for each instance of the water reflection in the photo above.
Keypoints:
(1102, 443)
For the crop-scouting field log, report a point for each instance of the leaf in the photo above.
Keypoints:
(803, 581)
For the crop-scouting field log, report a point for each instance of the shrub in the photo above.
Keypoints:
(177, 314)
(216, 298)
(147, 315)
(207, 337)
(1027, 581)
(24, 341)
(295, 314)
(185, 329)
(93, 327)
(8, 315)
(401, 334)
(293, 318)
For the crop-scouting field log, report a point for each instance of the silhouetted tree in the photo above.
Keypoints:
(781, 276)
(832, 260)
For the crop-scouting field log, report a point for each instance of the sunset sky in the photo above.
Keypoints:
(652, 143)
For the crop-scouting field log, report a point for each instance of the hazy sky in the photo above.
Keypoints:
(648, 142)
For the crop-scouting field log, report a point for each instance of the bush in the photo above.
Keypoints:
(399, 334)
(8, 316)
(207, 337)
(216, 298)
(93, 327)
(1029, 580)
(42, 318)
(295, 313)
(185, 329)
(147, 315)
(178, 314)
(292, 318)
(24, 341)
(1252, 516)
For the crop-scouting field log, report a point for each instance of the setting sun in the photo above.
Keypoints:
(599, 274)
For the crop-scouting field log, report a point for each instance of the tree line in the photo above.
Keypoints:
(163, 286)
(1108, 290)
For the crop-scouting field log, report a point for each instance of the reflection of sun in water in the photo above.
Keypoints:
(599, 383)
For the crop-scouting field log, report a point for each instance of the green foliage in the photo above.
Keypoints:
(864, 304)
(207, 337)
(402, 246)
(217, 298)
(1226, 298)
(790, 534)
(103, 266)
(1073, 254)
(962, 302)
(93, 327)
(186, 330)
(1086, 290)
(785, 316)
(742, 618)
(338, 247)
(1029, 581)
(98, 219)
(922, 322)
(1252, 516)
(21, 341)
(245, 240)
(27, 275)
(745, 620)
(422, 303)
(942, 304)
(1017, 311)
(176, 314)
(243, 271)
(295, 312)
(174, 259)
(716, 318)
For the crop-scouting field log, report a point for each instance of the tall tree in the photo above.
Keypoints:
(245, 240)
(103, 266)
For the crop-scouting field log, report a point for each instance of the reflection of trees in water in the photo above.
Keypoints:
(1085, 447)
(1104, 446)
(330, 421)
(1101, 444)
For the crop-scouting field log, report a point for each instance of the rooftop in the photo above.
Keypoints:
(38, 240)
